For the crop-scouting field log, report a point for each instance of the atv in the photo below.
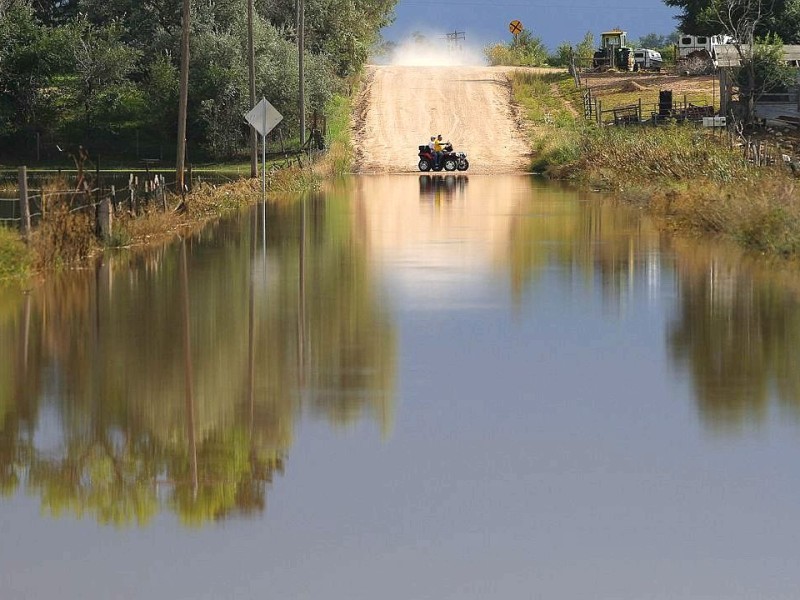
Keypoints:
(450, 160)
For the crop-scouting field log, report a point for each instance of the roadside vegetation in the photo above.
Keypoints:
(87, 80)
(693, 179)
(15, 258)
(339, 157)
(66, 237)
(105, 75)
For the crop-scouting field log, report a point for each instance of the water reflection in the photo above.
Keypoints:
(737, 332)
(174, 382)
(442, 188)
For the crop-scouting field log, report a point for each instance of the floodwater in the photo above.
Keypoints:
(418, 388)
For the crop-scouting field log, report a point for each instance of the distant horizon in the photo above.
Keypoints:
(486, 23)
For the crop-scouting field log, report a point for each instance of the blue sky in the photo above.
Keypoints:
(554, 21)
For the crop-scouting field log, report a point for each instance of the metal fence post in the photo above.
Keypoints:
(25, 210)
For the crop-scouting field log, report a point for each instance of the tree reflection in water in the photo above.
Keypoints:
(174, 382)
(737, 330)
(737, 333)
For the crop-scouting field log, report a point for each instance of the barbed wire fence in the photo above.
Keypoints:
(105, 195)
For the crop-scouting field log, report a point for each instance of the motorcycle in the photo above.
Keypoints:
(450, 161)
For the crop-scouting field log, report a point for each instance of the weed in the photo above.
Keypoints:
(64, 236)
(15, 258)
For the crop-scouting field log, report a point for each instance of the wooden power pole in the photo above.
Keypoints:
(301, 43)
(184, 96)
(251, 65)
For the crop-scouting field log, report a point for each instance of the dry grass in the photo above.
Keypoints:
(65, 234)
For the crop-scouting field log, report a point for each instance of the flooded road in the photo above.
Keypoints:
(418, 388)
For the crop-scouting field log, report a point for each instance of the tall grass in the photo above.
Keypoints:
(340, 144)
(15, 257)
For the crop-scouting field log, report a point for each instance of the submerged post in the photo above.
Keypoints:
(25, 210)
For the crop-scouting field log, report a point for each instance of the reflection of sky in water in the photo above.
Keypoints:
(544, 446)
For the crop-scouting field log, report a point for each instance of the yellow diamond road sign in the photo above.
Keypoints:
(515, 27)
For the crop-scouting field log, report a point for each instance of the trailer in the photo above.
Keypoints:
(693, 45)
(645, 59)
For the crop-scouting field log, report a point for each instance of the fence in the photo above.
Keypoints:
(104, 193)
(639, 113)
(135, 196)
(25, 195)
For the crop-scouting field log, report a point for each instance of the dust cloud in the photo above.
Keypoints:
(434, 50)
(400, 107)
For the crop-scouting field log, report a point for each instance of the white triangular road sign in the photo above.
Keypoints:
(263, 117)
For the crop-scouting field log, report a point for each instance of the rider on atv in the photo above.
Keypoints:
(439, 154)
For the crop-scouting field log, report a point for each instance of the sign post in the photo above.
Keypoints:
(515, 27)
(263, 117)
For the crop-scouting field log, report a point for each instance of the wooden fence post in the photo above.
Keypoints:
(104, 215)
(131, 192)
(25, 209)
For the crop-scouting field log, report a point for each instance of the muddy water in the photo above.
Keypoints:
(419, 387)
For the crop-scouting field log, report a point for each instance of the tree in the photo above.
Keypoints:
(584, 51)
(102, 65)
(653, 41)
(30, 54)
(183, 97)
(526, 50)
(562, 55)
(770, 73)
(740, 19)
(700, 17)
(344, 30)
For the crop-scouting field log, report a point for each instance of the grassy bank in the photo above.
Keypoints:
(66, 237)
(339, 158)
(688, 177)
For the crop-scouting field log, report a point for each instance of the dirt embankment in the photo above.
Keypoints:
(399, 108)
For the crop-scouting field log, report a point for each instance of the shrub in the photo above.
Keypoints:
(64, 236)
(15, 259)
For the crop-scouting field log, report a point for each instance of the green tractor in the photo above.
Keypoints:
(614, 52)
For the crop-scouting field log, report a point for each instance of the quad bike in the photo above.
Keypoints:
(450, 160)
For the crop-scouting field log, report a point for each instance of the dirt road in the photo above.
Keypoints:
(401, 107)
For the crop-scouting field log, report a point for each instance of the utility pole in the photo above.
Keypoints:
(251, 65)
(301, 35)
(184, 96)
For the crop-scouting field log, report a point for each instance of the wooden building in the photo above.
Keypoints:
(784, 106)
